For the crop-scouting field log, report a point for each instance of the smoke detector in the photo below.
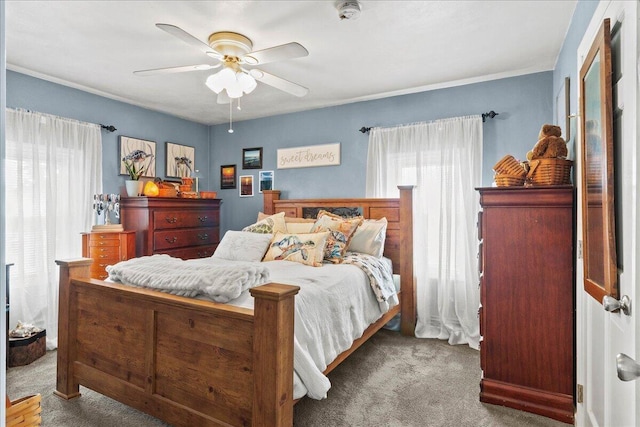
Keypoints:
(349, 9)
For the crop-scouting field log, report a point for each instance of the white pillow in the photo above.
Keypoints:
(369, 237)
(243, 246)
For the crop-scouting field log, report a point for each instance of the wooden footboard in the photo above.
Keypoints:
(186, 361)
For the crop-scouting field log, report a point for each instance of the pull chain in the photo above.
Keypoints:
(231, 116)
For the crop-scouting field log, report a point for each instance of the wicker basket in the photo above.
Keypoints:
(549, 172)
(508, 165)
(24, 412)
(509, 180)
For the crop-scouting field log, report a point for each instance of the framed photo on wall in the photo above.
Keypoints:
(140, 153)
(265, 181)
(246, 186)
(227, 177)
(252, 158)
(181, 160)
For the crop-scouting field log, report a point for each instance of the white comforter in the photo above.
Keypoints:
(333, 308)
(335, 305)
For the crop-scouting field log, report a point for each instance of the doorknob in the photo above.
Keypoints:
(611, 304)
(628, 369)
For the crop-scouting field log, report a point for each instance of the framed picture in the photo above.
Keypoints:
(252, 158)
(181, 160)
(265, 180)
(227, 177)
(246, 186)
(140, 154)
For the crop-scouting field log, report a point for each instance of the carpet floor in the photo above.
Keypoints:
(391, 380)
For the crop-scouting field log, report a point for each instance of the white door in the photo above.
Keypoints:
(606, 400)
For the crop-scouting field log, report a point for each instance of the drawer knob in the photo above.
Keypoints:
(171, 220)
(202, 218)
(204, 236)
(171, 240)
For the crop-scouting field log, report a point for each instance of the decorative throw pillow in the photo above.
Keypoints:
(269, 225)
(242, 246)
(303, 248)
(299, 227)
(341, 230)
(369, 237)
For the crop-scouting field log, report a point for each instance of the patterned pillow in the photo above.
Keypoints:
(303, 248)
(369, 237)
(269, 225)
(242, 246)
(341, 230)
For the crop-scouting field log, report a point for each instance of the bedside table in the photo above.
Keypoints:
(107, 248)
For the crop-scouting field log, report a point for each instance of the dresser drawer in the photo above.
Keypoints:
(104, 242)
(192, 252)
(181, 219)
(170, 239)
(104, 252)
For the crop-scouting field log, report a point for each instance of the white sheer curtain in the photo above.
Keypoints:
(53, 168)
(443, 159)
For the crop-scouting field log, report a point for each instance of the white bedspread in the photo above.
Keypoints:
(333, 308)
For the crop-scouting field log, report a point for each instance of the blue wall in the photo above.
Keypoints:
(38, 95)
(524, 104)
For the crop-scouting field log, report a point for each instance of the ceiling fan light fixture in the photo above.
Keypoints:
(247, 82)
(213, 83)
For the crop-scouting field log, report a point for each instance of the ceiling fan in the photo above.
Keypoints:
(233, 52)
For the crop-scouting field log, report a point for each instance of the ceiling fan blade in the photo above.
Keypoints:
(276, 53)
(189, 39)
(279, 83)
(171, 70)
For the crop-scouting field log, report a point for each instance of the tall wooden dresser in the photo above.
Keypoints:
(183, 228)
(527, 312)
(107, 248)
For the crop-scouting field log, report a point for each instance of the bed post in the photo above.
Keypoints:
(66, 386)
(273, 355)
(407, 284)
(268, 196)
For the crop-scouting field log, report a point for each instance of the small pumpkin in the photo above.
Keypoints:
(150, 189)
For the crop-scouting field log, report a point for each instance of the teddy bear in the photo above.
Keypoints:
(550, 144)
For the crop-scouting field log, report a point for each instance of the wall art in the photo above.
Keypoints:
(139, 153)
(309, 156)
(265, 180)
(246, 186)
(252, 158)
(181, 160)
(227, 177)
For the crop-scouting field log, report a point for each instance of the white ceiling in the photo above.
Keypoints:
(394, 47)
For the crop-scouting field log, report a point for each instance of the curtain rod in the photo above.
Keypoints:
(108, 128)
(491, 114)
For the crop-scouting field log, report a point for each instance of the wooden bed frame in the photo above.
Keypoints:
(197, 363)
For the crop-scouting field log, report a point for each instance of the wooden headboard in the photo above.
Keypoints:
(398, 244)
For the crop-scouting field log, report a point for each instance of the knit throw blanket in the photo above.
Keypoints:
(378, 272)
(220, 282)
